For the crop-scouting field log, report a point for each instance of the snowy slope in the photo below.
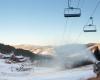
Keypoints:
(42, 73)
(70, 55)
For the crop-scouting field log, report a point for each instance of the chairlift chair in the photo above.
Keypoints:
(90, 28)
(72, 12)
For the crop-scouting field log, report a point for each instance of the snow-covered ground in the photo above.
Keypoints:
(44, 73)
(70, 55)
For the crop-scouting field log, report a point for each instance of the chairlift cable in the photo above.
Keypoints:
(80, 33)
(66, 26)
(83, 4)
(78, 3)
(94, 11)
(68, 3)
(86, 27)
(95, 8)
(65, 29)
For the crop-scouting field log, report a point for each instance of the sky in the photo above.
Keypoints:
(42, 22)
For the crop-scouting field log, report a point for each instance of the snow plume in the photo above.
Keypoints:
(73, 55)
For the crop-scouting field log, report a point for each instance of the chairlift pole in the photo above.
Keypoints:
(69, 1)
(91, 18)
(68, 4)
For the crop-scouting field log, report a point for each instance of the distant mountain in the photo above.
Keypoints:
(43, 50)
(48, 50)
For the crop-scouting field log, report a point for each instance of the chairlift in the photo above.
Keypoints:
(91, 27)
(72, 12)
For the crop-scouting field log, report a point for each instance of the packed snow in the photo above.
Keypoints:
(42, 73)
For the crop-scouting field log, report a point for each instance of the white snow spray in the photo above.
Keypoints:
(73, 55)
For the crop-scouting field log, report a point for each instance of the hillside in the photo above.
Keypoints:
(47, 50)
(44, 50)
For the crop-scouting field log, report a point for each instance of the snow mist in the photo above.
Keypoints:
(73, 55)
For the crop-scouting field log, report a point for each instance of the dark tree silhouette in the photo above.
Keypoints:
(97, 53)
